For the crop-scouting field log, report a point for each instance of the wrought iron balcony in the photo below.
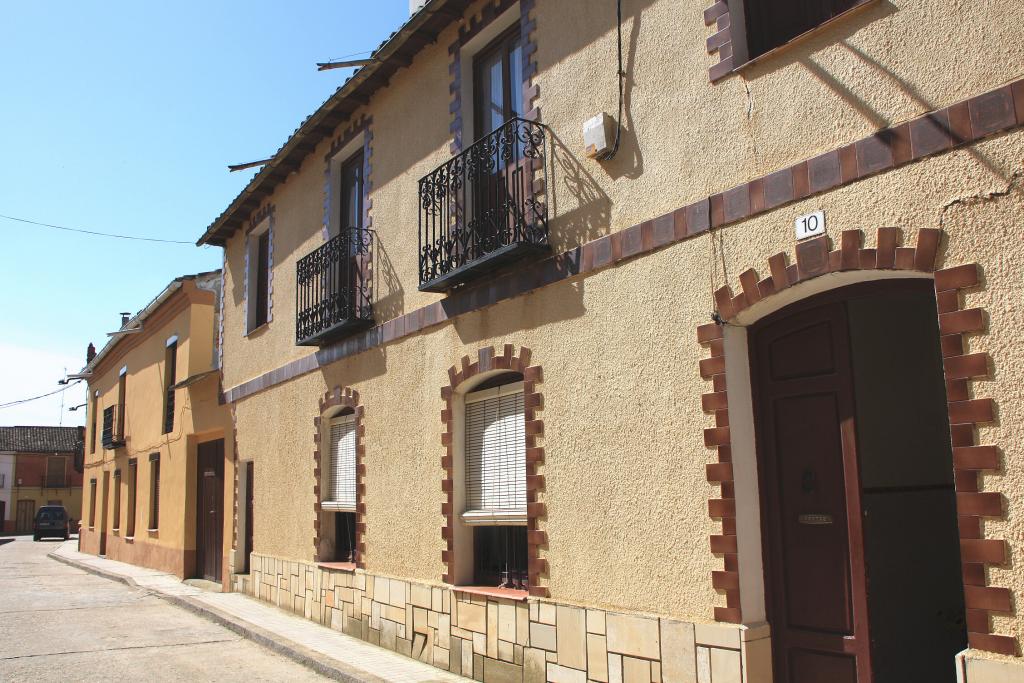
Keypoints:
(334, 288)
(482, 208)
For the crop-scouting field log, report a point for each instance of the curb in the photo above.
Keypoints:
(320, 663)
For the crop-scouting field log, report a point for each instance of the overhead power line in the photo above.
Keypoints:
(94, 232)
(26, 400)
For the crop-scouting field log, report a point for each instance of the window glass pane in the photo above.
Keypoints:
(352, 193)
(515, 79)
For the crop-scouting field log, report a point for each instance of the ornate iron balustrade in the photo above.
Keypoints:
(334, 288)
(484, 206)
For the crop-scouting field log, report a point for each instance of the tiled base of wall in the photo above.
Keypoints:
(498, 640)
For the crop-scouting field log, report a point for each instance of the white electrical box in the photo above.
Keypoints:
(598, 135)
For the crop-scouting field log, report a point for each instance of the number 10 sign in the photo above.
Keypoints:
(810, 225)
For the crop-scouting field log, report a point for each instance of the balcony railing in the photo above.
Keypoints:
(483, 208)
(113, 431)
(334, 288)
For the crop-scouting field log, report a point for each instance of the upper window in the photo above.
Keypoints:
(258, 277)
(352, 192)
(93, 408)
(498, 82)
(771, 23)
(56, 472)
(170, 377)
(495, 471)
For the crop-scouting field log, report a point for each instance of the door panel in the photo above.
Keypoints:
(210, 512)
(813, 516)
(810, 483)
(26, 510)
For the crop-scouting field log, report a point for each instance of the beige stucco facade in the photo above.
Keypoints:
(626, 490)
(185, 314)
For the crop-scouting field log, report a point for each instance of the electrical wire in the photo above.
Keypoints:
(622, 89)
(94, 232)
(26, 400)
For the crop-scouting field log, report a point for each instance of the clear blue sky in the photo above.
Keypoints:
(122, 117)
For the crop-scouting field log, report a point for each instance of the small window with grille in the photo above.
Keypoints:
(495, 467)
(339, 486)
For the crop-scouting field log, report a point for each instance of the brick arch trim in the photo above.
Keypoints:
(813, 259)
(340, 397)
(533, 401)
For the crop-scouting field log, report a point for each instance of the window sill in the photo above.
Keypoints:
(803, 37)
(494, 592)
(337, 566)
(152, 532)
(256, 331)
(129, 539)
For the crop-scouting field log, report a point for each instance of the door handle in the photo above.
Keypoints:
(814, 519)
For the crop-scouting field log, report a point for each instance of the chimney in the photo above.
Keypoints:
(415, 5)
(125, 317)
(90, 353)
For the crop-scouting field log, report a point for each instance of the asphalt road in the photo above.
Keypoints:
(58, 623)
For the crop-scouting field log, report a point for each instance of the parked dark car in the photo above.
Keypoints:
(50, 520)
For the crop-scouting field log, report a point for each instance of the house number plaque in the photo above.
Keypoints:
(810, 225)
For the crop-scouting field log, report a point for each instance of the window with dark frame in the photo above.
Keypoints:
(170, 377)
(93, 408)
(498, 82)
(352, 192)
(154, 491)
(92, 503)
(56, 472)
(770, 24)
(262, 280)
(117, 501)
(133, 482)
(122, 392)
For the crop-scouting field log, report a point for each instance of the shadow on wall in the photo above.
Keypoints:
(388, 293)
(583, 211)
(563, 301)
(629, 162)
(354, 369)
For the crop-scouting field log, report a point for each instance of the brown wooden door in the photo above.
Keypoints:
(210, 512)
(249, 471)
(810, 500)
(103, 513)
(26, 510)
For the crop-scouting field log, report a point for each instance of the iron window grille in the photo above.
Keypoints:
(483, 208)
(113, 431)
(334, 288)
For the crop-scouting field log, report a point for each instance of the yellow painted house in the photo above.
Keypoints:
(159, 450)
(652, 340)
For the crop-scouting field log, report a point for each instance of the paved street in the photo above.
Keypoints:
(61, 623)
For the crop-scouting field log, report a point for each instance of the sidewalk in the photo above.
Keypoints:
(324, 650)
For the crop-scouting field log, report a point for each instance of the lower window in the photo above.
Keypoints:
(499, 557)
(344, 537)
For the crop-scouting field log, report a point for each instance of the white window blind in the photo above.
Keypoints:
(495, 455)
(341, 473)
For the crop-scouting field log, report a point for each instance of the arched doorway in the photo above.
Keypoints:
(855, 471)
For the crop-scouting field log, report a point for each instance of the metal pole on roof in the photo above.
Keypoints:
(325, 66)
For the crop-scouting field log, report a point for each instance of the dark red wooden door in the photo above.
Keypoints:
(210, 513)
(249, 472)
(815, 585)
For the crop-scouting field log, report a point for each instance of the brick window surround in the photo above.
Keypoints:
(255, 220)
(333, 403)
(815, 258)
(471, 28)
(533, 401)
(361, 126)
